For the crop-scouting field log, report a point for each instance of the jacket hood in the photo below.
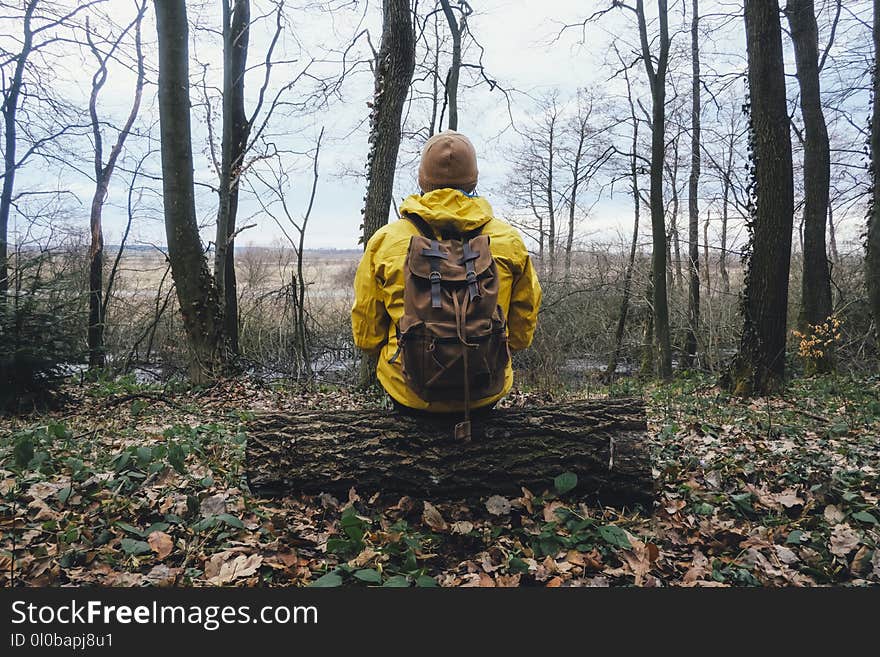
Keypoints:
(449, 209)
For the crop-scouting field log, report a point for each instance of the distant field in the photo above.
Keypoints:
(328, 274)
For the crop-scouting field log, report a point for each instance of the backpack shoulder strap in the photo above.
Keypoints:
(462, 237)
(421, 225)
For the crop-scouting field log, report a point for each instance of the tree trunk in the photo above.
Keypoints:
(725, 217)
(872, 257)
(11, 94)
(759, 367)
(693, 199)
(648, 366)
(575, 188)
(103, 174)
(832, 238)
(630, 266)
(393, 74)
(455, 66)
(673, 239)
(548, 194)
(816, 305)
(199, 306)
(602, 442)
(657, 79)
(236, 131)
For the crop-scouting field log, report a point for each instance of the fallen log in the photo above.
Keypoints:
(602, 442)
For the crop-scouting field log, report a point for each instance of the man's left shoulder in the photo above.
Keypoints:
(501, 232)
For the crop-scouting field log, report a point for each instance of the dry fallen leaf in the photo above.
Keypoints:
(161, 543)
(550, 511)
(162, 576)
(576, 558)
(367, 556)
(486, 581)
(844, 540)
(498, 506)
(786, 555)
(556, 582)
(507, 581)
(833, 514)
(462, 527)
(213, 505)
(240, 566)
(639, 559)
(861, 564)
(43, 489)
(699, 568)
(432, 517)
(789, 499)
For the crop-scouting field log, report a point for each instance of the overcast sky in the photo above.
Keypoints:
(524, 52)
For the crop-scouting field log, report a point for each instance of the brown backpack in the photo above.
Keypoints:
(453, 334)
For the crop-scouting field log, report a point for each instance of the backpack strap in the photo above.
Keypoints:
(434, 255)
(468, 259)
(421, 225)
(426, 231)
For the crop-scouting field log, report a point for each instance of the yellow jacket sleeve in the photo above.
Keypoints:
(369, 318)
(525, 301)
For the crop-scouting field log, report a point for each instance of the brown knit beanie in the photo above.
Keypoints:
(448, 160)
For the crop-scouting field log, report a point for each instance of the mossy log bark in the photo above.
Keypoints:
(602, 442)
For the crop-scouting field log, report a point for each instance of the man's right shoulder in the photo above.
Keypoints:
(393, 235)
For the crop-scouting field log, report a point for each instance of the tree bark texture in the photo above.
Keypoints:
(11, 93)
(816, 306)
(236, 131)
(693, 197)
(103, 173)
(657, 79)
(759, 367)
(199, 306)
(872, 258)
(634, 244)
(394, 69)
(393, 75)
(455, 67)
(602, 442)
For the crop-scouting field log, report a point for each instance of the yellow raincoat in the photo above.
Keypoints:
(378, 286)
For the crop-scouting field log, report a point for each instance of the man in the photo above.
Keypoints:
(381, 317)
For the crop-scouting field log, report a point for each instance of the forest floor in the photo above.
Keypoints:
(132, 485)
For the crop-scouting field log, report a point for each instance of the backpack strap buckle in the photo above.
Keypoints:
(435, 255)
(468, 259)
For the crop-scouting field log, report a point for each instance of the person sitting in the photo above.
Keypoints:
(445, 294)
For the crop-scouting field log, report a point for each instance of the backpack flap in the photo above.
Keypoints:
(452, 268)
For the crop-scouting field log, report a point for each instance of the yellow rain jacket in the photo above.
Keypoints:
(378, 286)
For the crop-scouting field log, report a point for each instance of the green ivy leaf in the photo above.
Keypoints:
(131, 529)
(425, 582)
(230, 520)
(864, 516)
(176, 457)
(795, 538)
(330, 580)
(23, 450)
(565, 482)
(369, 575)
(144, 455)
(131, 546)
(396, 582)
(614, 535)
(517, 565)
